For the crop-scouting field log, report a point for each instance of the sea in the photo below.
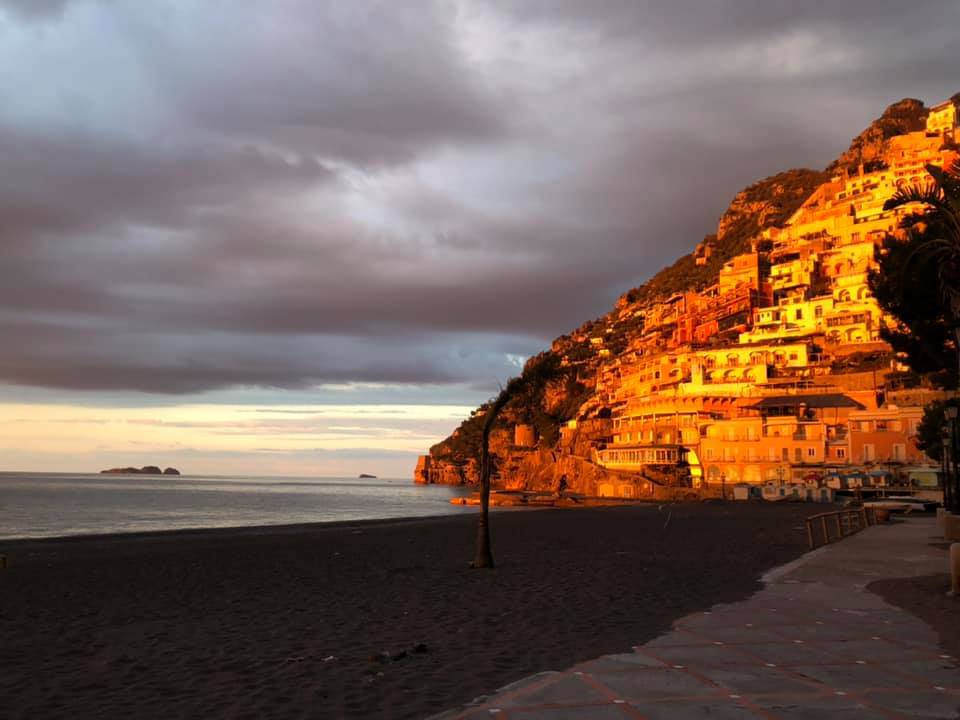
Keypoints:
(39, 505)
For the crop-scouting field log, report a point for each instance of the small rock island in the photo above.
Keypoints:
(366, 476)
(145, 470)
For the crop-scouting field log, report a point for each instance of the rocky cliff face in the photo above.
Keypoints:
(577, 356)
(766, 203)
(907, 115)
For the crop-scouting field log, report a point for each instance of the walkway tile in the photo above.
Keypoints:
(760, 680)
(602, 712)
(708, 654)
(819, 707)
(561, 689)
(918, 705)
(653, 684)
(813, 643)
(856, 677)
(786, 652)
(872, 650)
(722, 709)
(621, 662)
(942, 673)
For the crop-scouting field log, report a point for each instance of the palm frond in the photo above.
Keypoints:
(927, 194)
(947, 179)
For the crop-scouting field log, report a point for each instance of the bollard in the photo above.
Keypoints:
(955, 569)
(951, 527)
(3, 562)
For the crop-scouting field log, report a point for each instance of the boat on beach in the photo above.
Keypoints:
(903, 503)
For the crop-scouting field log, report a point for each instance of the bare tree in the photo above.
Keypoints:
(537, 373)
(483, 556)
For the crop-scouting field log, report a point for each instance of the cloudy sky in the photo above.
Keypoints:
(306, 237)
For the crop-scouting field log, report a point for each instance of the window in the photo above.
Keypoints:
(818, 311)
(811, 452)
(785, 454)
(841, 452)
(899, 452)
(798, 454)
(798, 315)
(869, 452)
(710, 453)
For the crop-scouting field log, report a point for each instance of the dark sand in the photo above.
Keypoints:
(283, 622)
(926, 597)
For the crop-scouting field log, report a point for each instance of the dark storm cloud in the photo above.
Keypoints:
(353, 192)
(34, 9)
(367, 82)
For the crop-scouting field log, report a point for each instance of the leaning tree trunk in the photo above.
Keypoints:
(483, 556)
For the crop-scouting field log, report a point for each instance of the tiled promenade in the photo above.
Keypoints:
(814, 643)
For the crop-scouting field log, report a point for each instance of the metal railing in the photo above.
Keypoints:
(829, 527)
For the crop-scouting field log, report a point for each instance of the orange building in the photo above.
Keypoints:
(779, 438)
(886, 435)
(740, 270)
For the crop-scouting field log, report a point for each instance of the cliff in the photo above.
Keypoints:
(766, 203)
(568, 418)
(907, 115)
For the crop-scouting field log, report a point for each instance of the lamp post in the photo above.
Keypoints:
(945, 471)
(950, 412)
(723, 485)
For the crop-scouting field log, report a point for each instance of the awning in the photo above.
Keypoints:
(829, 400)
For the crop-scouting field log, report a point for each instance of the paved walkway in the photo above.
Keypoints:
(814, 643)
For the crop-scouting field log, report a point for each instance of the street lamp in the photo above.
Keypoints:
(723, 485)
(950, 412)
(945, 463)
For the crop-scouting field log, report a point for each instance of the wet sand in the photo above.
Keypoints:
(291, 622)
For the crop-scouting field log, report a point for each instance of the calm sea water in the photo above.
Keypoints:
(34, 505)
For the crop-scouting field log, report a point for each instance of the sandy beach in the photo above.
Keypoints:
(291, 622)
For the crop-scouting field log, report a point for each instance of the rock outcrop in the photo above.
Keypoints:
(907, 115)
(145, 470)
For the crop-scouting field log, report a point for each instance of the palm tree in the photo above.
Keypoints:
(935, 233)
